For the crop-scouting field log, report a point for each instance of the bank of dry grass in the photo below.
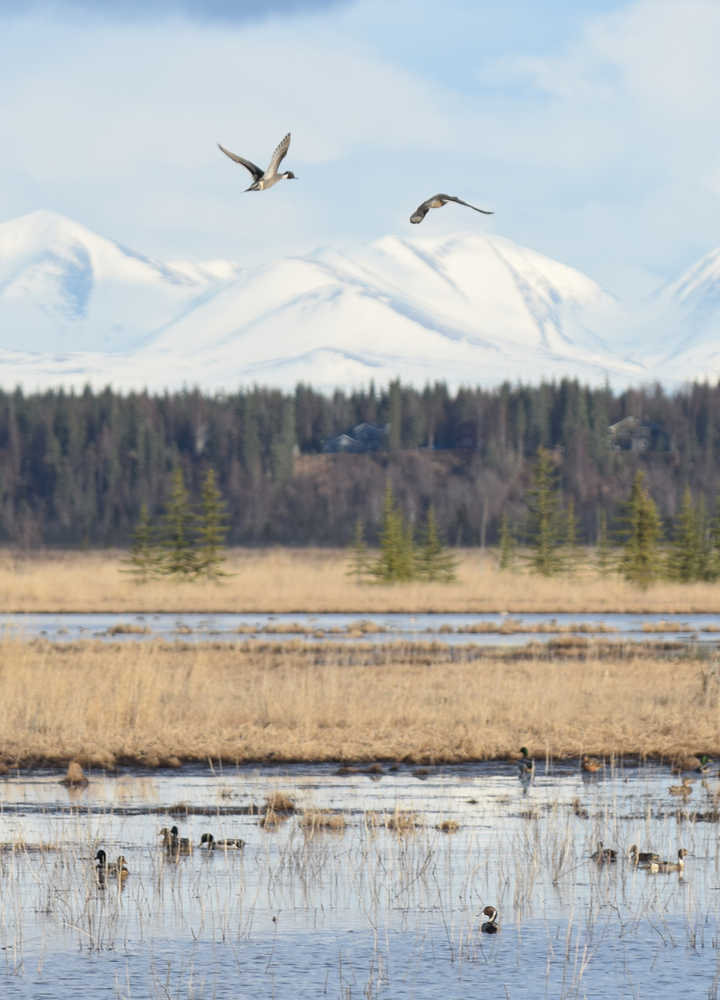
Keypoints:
(316, 580)
(153, 702)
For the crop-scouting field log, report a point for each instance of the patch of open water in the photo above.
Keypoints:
(452, 629)
(366, 911)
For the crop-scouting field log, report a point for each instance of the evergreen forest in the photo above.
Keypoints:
(83, 469)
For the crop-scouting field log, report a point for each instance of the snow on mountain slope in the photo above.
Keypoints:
(465, 309)
(63, 288)
(462, 308)
(686, 320)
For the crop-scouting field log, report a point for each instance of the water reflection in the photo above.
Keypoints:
(451, 629)
(366, 909)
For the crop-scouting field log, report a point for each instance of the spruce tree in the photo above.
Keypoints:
(603, 557)
(685, 558)
(571, 555)
(395, 561)
(713, 568)
(506, 555)
(211, 529)
(143, 558)
(177, 540)
(434, 562)
(542, 501)
(641, 559)
(359, 562)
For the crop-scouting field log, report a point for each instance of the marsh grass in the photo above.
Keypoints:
(560, 914)
(315, 821)
(316, 580)
(170, 702)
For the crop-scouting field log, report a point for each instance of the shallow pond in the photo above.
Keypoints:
(364, 911)
(454, 629)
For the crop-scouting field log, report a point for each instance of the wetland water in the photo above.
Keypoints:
(453, 629)
(364, 912)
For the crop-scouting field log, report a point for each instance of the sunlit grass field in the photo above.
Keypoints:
(162, 703)
(316, 580)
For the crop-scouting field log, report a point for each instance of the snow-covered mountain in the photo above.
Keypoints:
(688, 308)
(63, 288)
(75, 307)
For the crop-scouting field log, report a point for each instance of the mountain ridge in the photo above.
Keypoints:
(478, 308)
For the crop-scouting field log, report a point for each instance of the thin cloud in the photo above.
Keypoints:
(217, 11)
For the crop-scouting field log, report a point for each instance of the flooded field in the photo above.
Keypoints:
(452, 629)
(360, 891)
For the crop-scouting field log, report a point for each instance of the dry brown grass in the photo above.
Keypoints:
(315, 821)
(101, 704)
(316, 580)
(448, 826)
(403, 821)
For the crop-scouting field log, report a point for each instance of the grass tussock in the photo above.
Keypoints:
(75, 777)
(316, 580)
(448, 826)
(174, 702)
(321, 820)
(403, 821)
(280, 802)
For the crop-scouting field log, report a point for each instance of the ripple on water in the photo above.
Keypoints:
(364, 912)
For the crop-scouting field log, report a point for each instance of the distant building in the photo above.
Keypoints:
(631, 434)
(362, 437)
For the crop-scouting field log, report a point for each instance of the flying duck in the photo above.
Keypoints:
(490, 926)
(231, 844)
(263, 179)
(437, 201)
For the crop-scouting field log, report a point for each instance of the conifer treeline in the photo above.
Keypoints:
(76, 468)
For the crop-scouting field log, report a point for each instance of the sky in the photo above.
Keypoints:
(590, 127)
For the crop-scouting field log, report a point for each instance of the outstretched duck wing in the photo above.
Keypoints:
(279, 154)
(422, 210)
(459, 201)
(248, 164)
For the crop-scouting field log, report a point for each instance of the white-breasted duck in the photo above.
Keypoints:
(229, 844)
(263, 179)
(670, 866)
(490, 926)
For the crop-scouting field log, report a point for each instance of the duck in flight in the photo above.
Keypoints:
(437, 201)
(263, 179)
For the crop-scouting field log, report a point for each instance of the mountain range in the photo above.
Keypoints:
(466, 309)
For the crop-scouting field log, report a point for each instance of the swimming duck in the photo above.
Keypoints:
(119, 870)
(105, 869)
(230, 844)
(670, 866)
(490, 926)
(263, 179)
(437, 201)
(642, 857)
(700, 764)
(604, 855)
(683, 789)
(174, 843)
(526, 765)
(591, 765)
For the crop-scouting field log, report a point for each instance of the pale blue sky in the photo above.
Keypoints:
(590, 127)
